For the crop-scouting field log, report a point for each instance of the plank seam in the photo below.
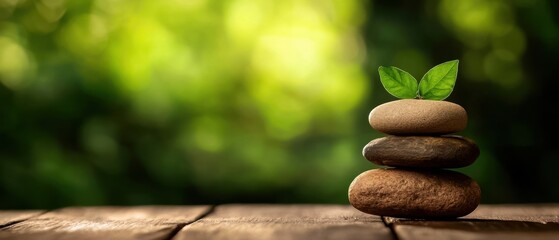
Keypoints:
(390, 226)
(11, 223)
(179, 227)
(2, 226)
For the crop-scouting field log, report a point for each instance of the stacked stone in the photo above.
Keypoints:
(416, 150)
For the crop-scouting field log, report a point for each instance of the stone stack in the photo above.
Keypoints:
(417, 149)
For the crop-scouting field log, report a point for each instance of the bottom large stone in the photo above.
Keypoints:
(414, 193)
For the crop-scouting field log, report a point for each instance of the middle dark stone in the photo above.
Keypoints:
(448, 151)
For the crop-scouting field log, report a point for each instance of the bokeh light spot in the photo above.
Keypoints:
(15, 63)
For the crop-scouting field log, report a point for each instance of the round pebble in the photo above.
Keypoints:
(414, 194)
(418, 117)
(422, 151)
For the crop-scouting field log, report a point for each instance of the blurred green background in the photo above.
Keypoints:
(206, 101)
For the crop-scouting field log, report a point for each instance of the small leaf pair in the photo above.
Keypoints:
(436, 84)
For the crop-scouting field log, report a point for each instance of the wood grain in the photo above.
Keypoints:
(142, 222)
(486, 222)
(286, 222)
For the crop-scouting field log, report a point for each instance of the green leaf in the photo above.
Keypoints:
(398, 82)
(438, 83)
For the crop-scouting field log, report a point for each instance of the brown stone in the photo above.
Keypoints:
(418, 117)
(422, 151)
(414, 194)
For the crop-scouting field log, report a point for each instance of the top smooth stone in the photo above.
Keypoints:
(418, 117)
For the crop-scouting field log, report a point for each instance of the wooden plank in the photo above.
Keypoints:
(286, 222)
(405, 232)
(542, 213)
(142, 222)
(8, 217)
(486, 222)
(155, 214)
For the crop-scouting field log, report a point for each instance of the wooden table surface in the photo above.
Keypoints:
(237, 221)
